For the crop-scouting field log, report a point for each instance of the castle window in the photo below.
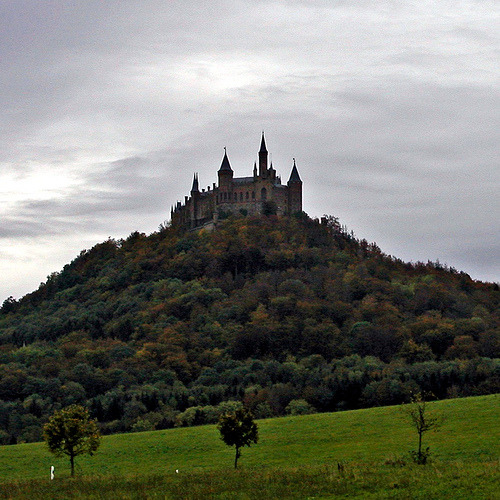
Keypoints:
(235, 196)
(246, 196)
(253, 195)
(263, 194)
(217, 199)
(241, 196)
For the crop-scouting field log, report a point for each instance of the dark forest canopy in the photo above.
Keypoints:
(286, 315)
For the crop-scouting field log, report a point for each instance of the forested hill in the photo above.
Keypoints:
(284, 314)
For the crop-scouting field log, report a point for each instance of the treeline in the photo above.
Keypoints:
(122, 403)
(285, 315)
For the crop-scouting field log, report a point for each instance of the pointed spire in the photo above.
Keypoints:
(263, 158)
(263, 148)
(272, 171)
(255, 169)
(225, 166)
(294, 176)
(196, 187)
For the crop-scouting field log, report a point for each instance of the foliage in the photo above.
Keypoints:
(299, 407)
(156, 331)
(238, 429)
(71, 432)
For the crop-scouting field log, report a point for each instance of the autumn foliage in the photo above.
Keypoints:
(168, 329)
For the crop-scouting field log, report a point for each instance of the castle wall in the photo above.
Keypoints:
(280, 197)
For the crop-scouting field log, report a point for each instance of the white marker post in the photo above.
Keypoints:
(52, 469)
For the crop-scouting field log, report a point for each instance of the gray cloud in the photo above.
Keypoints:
(107, 109)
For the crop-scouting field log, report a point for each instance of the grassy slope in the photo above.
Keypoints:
(467, 443)
(470, 432)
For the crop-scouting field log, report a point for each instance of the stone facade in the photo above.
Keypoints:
(260, 193)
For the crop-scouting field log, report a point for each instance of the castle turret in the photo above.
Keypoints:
(194, 201)
(225, 180)
(272, 172)
(196, 186)
(294, 191)
(263, 158)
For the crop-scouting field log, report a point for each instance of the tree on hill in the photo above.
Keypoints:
(238, 429)
(71, 432)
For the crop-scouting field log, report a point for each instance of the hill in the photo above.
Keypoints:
(295, 458)
(288, 315)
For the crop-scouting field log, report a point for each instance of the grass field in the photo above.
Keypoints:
(296, 457)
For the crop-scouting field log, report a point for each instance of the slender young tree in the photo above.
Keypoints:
(422, 421)
(238, 429)
(72, 432)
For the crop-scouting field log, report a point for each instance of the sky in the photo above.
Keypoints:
(391, 109)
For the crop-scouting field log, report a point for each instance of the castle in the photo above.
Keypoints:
(258, 194)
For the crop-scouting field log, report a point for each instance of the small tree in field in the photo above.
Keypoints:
(71, 432)
(422, 421)
(238, 429)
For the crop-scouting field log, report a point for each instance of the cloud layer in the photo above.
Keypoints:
(391, 109)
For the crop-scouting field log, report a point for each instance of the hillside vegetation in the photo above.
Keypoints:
(288, 315)
(296, 457)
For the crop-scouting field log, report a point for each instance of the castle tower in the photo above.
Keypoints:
(225, 171)
(196, 186)
(263, 158)
(225, 180)
(294, 191)
(195, 201)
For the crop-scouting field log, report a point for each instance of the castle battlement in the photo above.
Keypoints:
(260, 193)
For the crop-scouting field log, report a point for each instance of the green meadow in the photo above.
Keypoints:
(352, 454)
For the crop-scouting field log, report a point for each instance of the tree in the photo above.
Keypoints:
(419, 417)
(9, 305)
(238, 429)
(269, 208)
(299, 407)
(71, 432)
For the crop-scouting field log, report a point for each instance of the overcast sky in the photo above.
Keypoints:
(391, 108)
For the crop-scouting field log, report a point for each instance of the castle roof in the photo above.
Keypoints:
(294, 176)
(225, 166)
(263, 148)
(196, 186)
(243, 180)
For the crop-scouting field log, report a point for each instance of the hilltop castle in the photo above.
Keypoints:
(260, 193)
